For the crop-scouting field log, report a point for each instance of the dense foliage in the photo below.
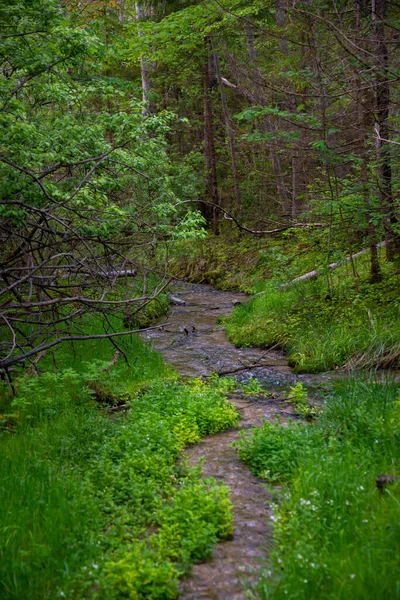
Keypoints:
(87, 190)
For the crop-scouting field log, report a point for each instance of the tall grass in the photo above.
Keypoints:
(50, 517)
(336, 536)
(325, 326)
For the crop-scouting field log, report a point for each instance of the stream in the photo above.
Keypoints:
(196, 346)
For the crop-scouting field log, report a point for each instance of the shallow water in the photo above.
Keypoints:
(197, 346)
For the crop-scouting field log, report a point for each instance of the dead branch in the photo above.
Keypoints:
(32, 367)
(242, 227)
(4, 364)
(248, 368)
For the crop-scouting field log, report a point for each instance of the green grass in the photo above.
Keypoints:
(100, 507)
(336, 536)
(323, 325)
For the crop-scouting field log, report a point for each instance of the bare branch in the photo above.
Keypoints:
(5, 364)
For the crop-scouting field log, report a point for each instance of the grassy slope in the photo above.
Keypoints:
(94, 507)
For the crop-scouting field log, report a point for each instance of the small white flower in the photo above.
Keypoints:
(365, 520)
(305, 502)
(95, 566)
(352, 576)
(299, 556)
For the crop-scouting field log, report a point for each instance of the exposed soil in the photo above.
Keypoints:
(196, 346)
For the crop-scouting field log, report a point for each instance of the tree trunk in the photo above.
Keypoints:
(148, 104)
(365, 111)
(229, 132)
(382, 98)
(121, 11)
(209, 148)
(280, 20)
(267, 125)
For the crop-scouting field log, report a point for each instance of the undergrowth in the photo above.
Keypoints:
(99, 507)
(336, 535)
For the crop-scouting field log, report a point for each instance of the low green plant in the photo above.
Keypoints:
(275, 452)
(99, 507)
(298, 397)
(253, 387)
(323, 326)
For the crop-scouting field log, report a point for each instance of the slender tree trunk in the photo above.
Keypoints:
(375, 269)
(121, 11)
(229, 132)
(209, 147)
(382, 97)
(365, 111)
(148, 104)
(280, 20)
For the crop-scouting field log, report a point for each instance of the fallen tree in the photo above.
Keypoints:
(316, 273)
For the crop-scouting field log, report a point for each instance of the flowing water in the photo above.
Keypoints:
(196, 346)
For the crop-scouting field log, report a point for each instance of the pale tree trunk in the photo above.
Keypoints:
(382, 98)
(121, 11)
(148, 104)
(375, 269)
(229, 132)
(209, 147)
